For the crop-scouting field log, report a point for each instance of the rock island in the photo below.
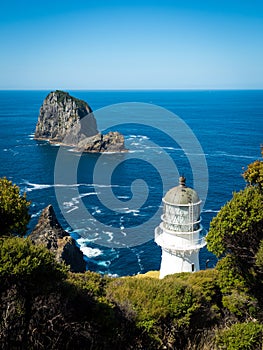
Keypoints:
(69, 121)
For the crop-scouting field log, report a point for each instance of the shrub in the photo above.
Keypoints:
(33, 266)
(241, 336)
(161, 309)
(238, 227)
(14, 215)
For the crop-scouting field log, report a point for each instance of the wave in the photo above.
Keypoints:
(132, 136)
(210, 211)
(137, 151)
(172, 148)
(72, 205)
(129, 211)
(91, 252)
(225, 154)
(105, 186)
(31, 136)
(35, 186)
(35, 215)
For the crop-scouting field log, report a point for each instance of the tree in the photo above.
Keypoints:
(254, 173)
(14, 215)
(238, 227)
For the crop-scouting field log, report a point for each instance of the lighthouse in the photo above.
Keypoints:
(179, 233)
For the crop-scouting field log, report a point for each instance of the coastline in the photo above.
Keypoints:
(75, 148)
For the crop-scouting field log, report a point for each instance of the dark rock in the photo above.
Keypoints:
(67, 120)
(48, 232)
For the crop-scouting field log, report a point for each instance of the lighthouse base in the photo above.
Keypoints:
(176, 262)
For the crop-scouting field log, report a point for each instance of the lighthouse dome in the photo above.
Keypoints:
(181, 195)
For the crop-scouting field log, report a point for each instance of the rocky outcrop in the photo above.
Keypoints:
(67, 120)
(48, 232)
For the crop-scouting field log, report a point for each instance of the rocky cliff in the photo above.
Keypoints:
(48, 232)
(67, 120)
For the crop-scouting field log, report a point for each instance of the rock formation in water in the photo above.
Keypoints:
(67, 120)
(48, 232)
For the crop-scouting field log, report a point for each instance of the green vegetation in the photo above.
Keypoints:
(42, 305)
(14, 215)
(254, 173)
(62, 96)
(28, 264)
(237, 229)
(242, 336)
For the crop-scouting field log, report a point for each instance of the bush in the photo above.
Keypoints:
(14, 215)
(254, 173)
(161, 309)
(241, 336)
(32, 266)
(238, 227)
(204, 283)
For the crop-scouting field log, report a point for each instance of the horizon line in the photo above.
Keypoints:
(134, 89)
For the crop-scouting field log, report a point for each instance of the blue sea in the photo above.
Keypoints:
(227, 125)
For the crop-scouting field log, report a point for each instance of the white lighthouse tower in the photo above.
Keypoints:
(179, 233)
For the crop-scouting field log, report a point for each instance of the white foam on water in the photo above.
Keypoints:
(210, 211)
(81, 241)
(105, 263)
(225, 154)
(110, 234)
(35, 215)
(73, 204)
(137, 151)
(172, 148)
(90, 252)
(105, 186)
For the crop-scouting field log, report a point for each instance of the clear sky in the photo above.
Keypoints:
(131, 44)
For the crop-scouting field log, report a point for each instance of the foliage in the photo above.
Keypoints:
(204, 283)
(238, 227)
(241, 336)
(92, 285)
(156, 305)
(152, 299)
(259, 257)
(42, 305)
(90, 282)
(254, 173)
(62, 96)
(235, 290)
(32, 265)
(14, 215)
(229, 275)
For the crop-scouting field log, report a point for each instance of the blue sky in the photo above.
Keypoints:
(166, 44)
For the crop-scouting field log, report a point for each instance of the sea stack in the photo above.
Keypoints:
(70, 121)
(49, 233)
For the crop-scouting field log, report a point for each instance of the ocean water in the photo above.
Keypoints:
(227, 124)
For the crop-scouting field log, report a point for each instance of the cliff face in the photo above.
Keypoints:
(48, 232)
(67, 120)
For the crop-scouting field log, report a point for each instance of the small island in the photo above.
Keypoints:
(69, 121)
